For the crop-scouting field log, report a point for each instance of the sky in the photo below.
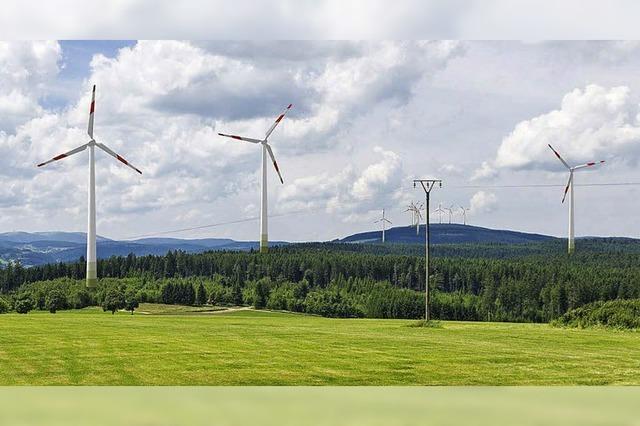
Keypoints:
(368, 117)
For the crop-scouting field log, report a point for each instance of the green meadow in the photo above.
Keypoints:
(169, 346)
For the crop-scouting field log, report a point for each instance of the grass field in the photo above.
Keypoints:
(90, 347)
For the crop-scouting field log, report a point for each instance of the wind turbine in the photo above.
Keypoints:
(384, 222)
(571, 240)
(92, 275)
(412, 209)
(440, 210)
(418, 210)
(464, 214)
(450, 210)
(266, 148)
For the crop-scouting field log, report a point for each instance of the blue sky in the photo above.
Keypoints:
(368, 117)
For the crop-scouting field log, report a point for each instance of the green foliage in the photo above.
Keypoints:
(490, 282)
(257, 293)
(331, 303)
(23, 305)
(131, 300)
(56, 301)
(114, 299)
(5, 306)
(201, 295)
(618, 314)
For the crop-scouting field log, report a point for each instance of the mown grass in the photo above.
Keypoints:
(90, 347)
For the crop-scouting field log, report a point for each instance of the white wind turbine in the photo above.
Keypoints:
(571, 239)
(450, 210)
(440, 210)
(464, 211)
(384, 222)
(92, 276)
(412, 209)
(418, 211)
(266, 148)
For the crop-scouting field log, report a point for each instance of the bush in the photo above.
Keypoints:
(24, 305)
(257, 293)
(618, 314)
(131, 300)
(4, 306)
(331, 303)
(55, 301)
(113, 300)
(201, 295)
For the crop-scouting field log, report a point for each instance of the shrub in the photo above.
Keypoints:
(113, 300)
(4, 306)
(131, 300)
(55, 301)
(619, 314)
(24, 305)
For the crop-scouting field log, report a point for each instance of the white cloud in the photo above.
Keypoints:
(348, 193)
(483, 202)
(592, 123)
(485, 171)
(26, 70)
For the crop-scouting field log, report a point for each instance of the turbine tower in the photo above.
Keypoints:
(464, 211)
(92, 275)
(418, 216)
(571, 240)
(412, 209)
(266, 149)
(450, 210)
(384, 222)
(440, 210)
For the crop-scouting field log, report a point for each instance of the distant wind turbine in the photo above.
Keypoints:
(450, 210)
(266, 148)
(416, 215)
(464, 211)
(440, 210)
(92, 276)
(571, 239)
(384, 221)
(418, 210)
(411, 208)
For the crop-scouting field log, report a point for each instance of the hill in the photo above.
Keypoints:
(447, 234)
(38, 248)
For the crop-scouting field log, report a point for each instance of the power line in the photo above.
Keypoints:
(444, 186)
(212, 225)
(541, 185)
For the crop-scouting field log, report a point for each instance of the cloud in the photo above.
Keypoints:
(483, 202)
(485, 171)
(27, 69)
(348, 193)
(592, 123)
(450, 169)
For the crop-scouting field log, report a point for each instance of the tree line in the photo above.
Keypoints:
(369, 281)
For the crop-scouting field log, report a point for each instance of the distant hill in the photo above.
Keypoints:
(50, 247)
(446, 234)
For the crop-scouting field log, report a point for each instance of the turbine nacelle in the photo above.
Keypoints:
(264, 142)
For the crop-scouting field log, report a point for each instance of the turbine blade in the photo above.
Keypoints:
(559, 157)
(92, 109)
(241, 138)
(116, 156)
(65, 155)
(566, 189)
(593, 163)
(280, 117)
(273, 158)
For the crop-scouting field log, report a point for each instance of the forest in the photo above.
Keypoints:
(493, 282)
